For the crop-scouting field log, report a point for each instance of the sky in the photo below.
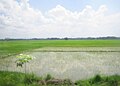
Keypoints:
(59, 18)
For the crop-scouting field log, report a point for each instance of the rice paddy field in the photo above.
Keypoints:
(73, 59)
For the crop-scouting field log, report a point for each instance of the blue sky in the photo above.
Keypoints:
(59, 18)
(75, 5)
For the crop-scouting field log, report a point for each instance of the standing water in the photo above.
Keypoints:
(73, 63)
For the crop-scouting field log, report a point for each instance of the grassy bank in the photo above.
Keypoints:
(8, 48)
(97, 80)
(18, 79)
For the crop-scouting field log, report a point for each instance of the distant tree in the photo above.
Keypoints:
(65, 38)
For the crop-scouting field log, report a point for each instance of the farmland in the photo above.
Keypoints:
(8, 48)
(73, 59)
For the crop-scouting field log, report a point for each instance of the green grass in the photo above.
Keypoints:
(8, 48)
(8, 78)
(18, 79)
(113, 80)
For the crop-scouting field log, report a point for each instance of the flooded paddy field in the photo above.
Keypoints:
(69, 62)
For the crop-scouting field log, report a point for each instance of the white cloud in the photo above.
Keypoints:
(19, 19)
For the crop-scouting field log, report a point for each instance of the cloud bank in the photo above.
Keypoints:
(20, 20)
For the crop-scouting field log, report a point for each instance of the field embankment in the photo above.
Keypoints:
(19, 79)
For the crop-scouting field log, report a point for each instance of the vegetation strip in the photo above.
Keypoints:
(18, 79)
(69, 51)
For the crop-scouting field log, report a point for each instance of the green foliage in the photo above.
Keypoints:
(22, 58)
(18, 79)
(100, 81)
(10, 78)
